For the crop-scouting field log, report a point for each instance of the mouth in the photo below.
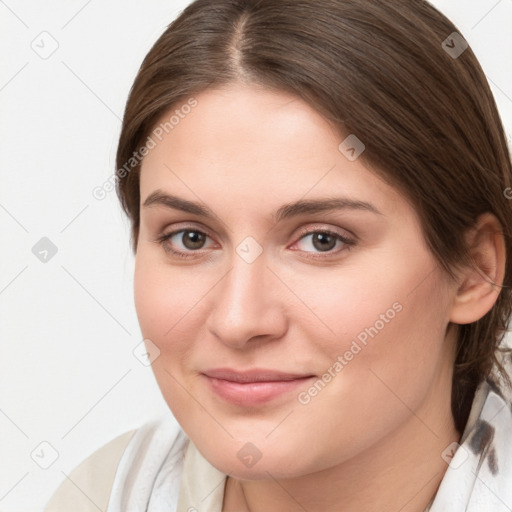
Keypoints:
(253, 387)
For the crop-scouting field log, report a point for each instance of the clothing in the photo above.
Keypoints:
(159, 469)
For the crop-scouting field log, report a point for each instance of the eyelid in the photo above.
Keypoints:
(184, 226)
(323, 228)
(348, 241)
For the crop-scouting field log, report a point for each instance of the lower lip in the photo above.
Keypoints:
(253, 393)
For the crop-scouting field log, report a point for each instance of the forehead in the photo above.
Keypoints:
(261, 144)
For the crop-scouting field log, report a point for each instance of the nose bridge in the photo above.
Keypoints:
(244, 289)
(244, 306)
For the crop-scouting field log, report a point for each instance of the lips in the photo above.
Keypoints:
(252, 387)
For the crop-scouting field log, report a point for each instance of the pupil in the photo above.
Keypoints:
(193, 239)
(323, 242)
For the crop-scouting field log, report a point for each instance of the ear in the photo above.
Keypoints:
(480, 284)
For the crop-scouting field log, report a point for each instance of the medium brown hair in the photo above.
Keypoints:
(378, 69)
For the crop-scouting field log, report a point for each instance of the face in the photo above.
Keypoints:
(294, 302)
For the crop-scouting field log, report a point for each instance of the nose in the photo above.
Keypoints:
(247, 305)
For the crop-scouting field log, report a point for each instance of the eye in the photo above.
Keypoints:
(323, 241)
(185, 242)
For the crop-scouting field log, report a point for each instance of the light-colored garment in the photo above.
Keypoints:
(88, 487)
(154, 468)
(159, 469)
(479, 477)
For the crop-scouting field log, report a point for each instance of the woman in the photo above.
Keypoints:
(317, 192)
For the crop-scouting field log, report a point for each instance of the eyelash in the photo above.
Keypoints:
(163, 239)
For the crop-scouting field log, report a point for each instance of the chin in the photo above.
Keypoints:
(253, 461)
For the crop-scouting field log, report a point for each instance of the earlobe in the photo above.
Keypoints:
(480, 284)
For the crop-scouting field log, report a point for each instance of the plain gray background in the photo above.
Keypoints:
(68, 376)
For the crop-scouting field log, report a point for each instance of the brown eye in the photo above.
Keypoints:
(317, 243)
(193, 239)
(186, 242)
(323, 241)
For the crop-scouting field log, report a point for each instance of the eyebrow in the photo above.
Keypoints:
(159, 198)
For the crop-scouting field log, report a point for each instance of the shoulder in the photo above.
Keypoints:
(88, 486)
(137, 457)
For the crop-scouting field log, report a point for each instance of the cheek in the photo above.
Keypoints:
(164, 301)
(163, 297)
(338, 305)
(385, 315)
(171, 304)
(388, 349)
(151, 300)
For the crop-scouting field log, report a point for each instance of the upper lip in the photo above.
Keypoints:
(253, 375)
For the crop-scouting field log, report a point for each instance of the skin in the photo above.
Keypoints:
(372, 438)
